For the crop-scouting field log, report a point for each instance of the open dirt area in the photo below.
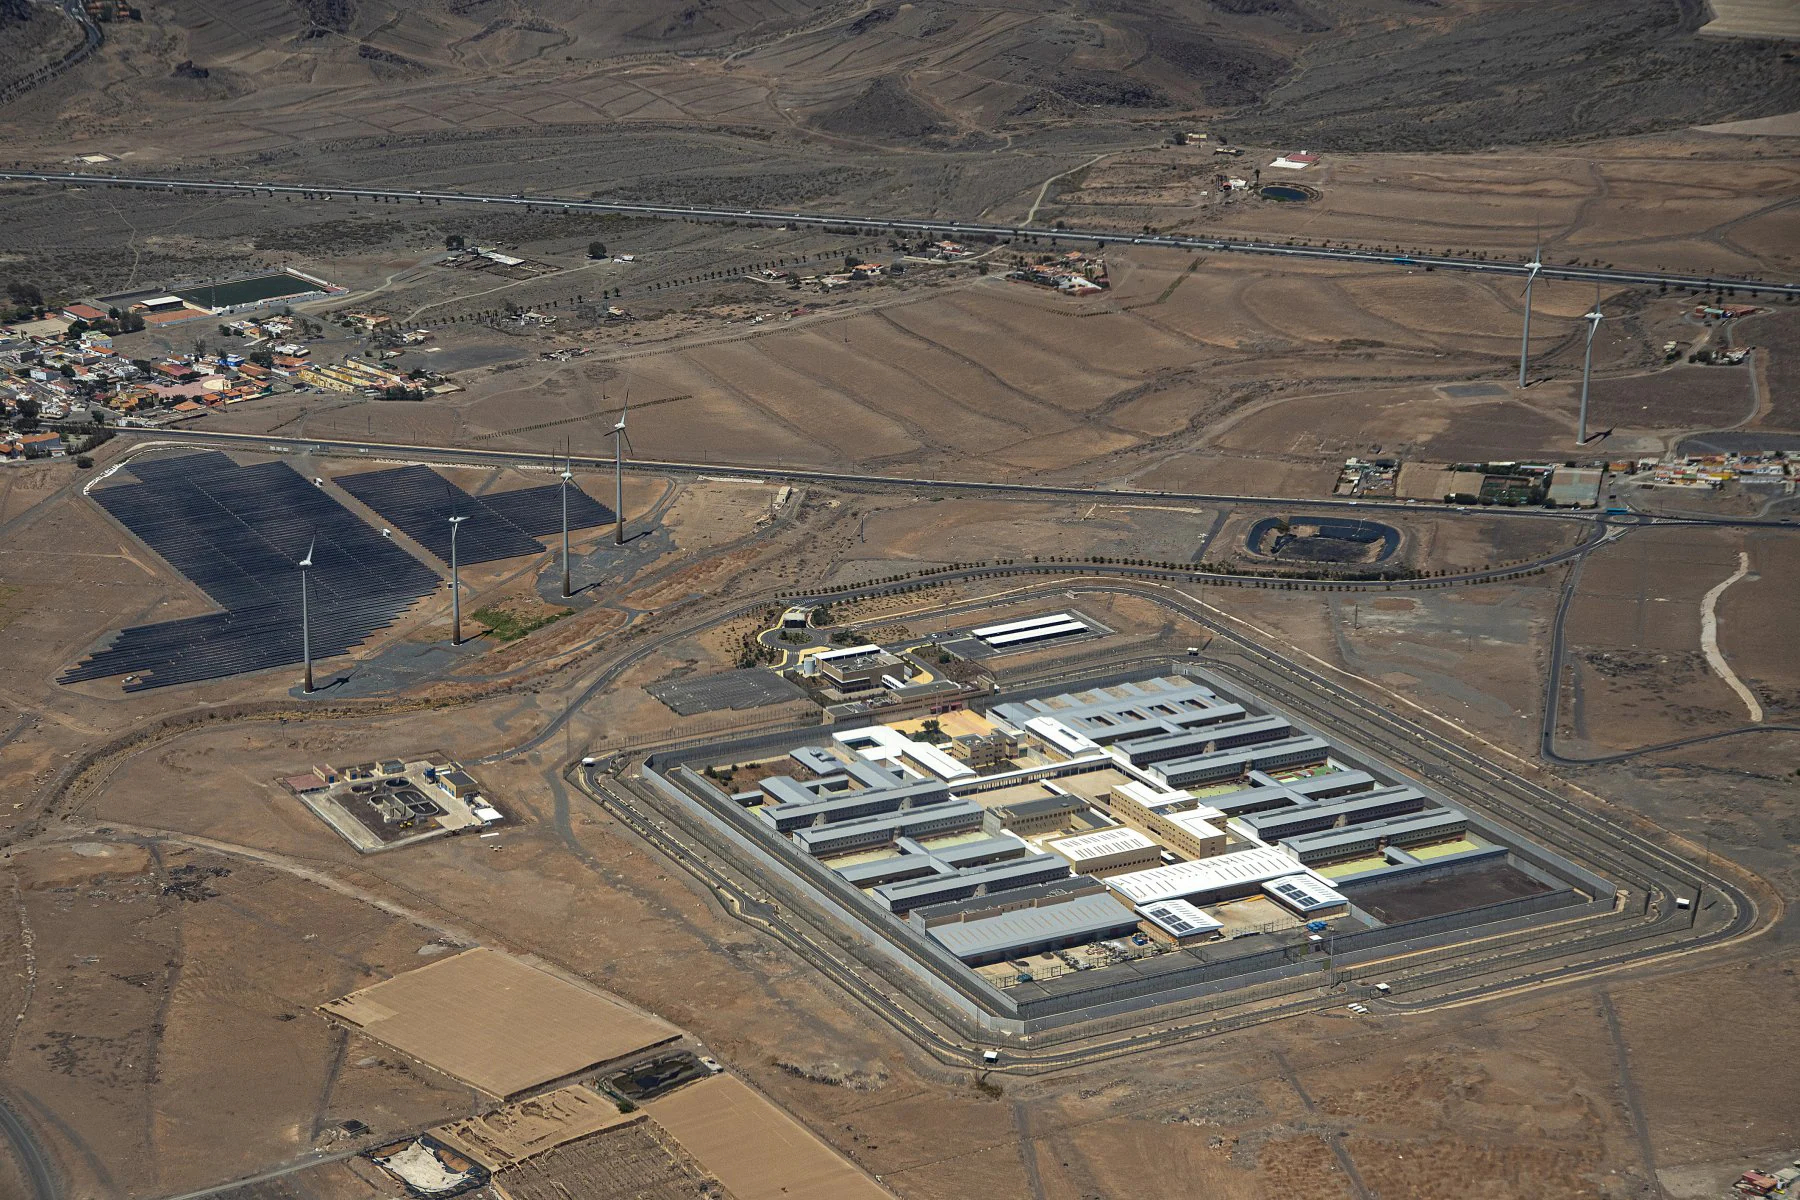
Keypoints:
(532, 1026)
(207, 985)
(757, 1151)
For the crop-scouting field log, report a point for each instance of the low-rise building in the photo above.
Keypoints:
(1105, 852)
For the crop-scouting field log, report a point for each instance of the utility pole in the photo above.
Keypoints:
(455, 587)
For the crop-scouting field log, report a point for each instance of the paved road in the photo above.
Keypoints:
(39, 1174)
(374, 449)
(914, 226)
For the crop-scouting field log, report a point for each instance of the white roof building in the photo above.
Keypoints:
(1179, 919)
(1103, 841)
(878, 743)
(1061, 736)
(1222, 878)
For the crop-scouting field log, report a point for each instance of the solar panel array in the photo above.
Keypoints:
(419, 502)
(538, 510)
(239, 533)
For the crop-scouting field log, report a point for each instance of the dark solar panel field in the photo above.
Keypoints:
(238, 533)
(538, 510)
(419, 502)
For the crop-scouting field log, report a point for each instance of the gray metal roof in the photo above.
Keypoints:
(1444, 820)
(1352, 811)
(891, 823)
(995, 877)
(1022, 929)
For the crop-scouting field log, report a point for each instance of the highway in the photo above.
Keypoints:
(910, 226)
(500, 458)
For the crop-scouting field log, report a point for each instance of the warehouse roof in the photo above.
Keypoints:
(1022, 928)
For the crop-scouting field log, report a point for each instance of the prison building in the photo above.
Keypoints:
(896, 869)
(1060, 737)
(1029, 817)
(1127, 711)
(971, 854)
(929, 820)
(1179, 922)
(1225, 877)
(1232, 764)
(912, 860)
(1189, 834)
(791, 815)
(976, 881)
(1333, 786)
(1357, 840)
(1357, 810)
(817, 759)
(1306, 896)
(1188, 743)
(1038, 929)
(1107, 851)
(983, 752)
(873, 774)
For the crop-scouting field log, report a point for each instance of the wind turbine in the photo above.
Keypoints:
(1593, 318)
(1531, 273)
(305, 624)
(455, 588)
(568, 474)
(621, 439)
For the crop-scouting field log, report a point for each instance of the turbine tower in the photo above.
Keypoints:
(305, 624)
(1531, 273)
(1593, 319)
(621, 439)
(568, 474)
(455, 588)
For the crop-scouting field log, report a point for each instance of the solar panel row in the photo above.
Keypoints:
(239, 533)
(420, 503)
(538, 510)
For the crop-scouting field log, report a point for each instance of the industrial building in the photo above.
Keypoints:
(1035, 929)
(1033, 631)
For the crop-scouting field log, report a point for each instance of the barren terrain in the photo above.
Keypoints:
(176, 917)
